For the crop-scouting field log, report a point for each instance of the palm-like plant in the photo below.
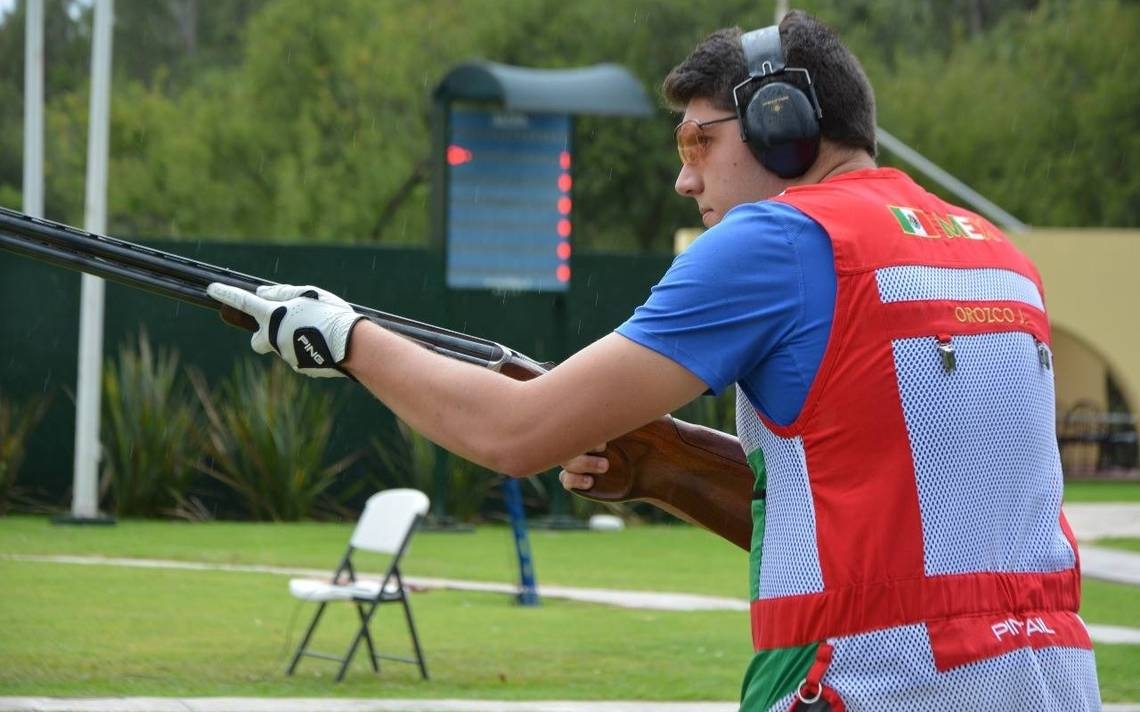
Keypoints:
(151, 434)
(16, 423)
(268, 436)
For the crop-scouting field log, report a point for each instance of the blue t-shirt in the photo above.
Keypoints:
(750, 302)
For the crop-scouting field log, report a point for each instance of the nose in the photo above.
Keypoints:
(688, 181)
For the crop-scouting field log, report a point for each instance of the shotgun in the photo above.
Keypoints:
(695, 473)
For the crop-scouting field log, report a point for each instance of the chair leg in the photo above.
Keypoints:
(415, 638)
(305, 640)
(364, 624)
(364, 621)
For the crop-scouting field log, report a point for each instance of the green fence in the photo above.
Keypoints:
(41, 318)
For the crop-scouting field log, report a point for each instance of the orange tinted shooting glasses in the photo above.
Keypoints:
(692, 143)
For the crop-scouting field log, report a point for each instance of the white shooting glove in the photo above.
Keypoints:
(306, 326)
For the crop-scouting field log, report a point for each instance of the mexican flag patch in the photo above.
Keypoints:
(913, 222)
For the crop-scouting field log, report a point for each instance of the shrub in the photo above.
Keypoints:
(268, 436)
(151, 434)
(410, 460)
(16, 423)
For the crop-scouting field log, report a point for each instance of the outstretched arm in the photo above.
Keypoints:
(520, 427)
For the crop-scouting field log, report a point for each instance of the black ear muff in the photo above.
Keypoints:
(780, 122)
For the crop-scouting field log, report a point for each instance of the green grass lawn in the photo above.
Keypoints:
(1117, 542)
(1102, 491)
(104, 630)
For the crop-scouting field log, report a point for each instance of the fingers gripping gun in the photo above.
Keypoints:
(690, 471)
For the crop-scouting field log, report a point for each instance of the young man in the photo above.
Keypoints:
(895, 396)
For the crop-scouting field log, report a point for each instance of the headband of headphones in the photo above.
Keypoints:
(763, 52)
(780, 122)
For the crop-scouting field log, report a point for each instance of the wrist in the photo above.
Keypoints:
(355, 346)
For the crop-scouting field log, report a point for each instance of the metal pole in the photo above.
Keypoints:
(975, 199)
(34, 109)
(528, 586)
(84, 503)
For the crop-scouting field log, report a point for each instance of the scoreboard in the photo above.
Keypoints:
(508, 212)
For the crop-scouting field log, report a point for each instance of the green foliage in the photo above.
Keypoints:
(1039, 115)
(268, 433)
(152, 436)
(409, 459)
(176, 38)
(16, 422)
(717, 412)
(289, 119)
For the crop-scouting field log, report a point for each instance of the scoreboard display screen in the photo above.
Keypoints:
(508, 201)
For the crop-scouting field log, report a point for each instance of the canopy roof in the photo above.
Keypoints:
(600, 89)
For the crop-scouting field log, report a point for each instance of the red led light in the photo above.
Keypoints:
(562, 273)
(564, 182)
(563, 250)
(458, 155)
(564, 228)
(564, 160)
(564, 206)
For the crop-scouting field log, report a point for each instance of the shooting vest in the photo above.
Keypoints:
(908, 542)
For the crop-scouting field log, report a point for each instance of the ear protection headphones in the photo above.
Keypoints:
(780, 123)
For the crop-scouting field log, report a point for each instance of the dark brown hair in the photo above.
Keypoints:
(845, 94)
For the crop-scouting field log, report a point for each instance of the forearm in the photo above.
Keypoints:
(478, 414)
(515, 427)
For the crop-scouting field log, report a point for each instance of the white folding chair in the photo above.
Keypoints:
(385, 527)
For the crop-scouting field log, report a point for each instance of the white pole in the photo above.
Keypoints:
(34, 109)
(85, 498)
(781, 10)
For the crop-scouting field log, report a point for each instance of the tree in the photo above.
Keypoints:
(295, 119)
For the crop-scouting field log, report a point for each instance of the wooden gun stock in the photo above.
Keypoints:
(692, 472)
(695, 473)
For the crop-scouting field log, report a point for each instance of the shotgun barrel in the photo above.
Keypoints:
(186, 279)
(693, 472)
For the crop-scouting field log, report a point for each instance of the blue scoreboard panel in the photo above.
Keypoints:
(508, 201)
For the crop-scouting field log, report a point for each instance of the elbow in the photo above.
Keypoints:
(513, 465)
(513, 460)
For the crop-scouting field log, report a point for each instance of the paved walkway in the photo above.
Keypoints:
(307, 704)
(249, 704)
(1100, 520)
(1089, 522)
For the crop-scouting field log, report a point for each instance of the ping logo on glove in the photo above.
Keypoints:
(310, 349)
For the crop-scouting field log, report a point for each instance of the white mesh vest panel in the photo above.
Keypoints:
(789, 560)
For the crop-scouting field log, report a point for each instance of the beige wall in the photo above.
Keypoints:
(1092, 292)
(1080, 372)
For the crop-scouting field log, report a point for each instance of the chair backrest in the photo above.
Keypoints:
(387, 519)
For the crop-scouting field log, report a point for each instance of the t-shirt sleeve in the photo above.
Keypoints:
(730, 298)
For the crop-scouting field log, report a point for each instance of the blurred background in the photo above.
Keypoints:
(293, 139)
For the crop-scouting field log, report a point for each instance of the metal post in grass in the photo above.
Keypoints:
(528, 586)
(85, 497)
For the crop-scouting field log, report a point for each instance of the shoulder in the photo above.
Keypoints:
(767, 219)
(752, 229)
